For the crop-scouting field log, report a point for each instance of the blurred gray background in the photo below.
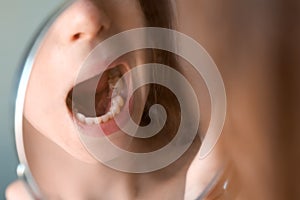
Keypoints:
(19, 21)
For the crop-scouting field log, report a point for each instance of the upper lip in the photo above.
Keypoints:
(89, 71)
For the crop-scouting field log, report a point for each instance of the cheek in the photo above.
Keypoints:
(50, 78)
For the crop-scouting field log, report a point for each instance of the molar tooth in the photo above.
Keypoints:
(99, 120)
(80, 117)
(115, 109)
(105, 118)
(110, 115)
(119, 100)
(118, 87)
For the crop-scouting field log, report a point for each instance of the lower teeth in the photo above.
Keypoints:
(117, 102)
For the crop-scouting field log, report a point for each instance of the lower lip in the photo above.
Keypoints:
(107, 128)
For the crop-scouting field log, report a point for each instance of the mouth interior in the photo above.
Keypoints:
(92, 97)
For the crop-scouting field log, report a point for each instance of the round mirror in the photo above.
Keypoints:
(115, 102)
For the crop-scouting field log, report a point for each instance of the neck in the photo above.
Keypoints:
(61, 176)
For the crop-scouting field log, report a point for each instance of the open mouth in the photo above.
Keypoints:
(100, 98)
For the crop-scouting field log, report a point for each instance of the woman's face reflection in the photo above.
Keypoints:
(68, 42)
(53, 110)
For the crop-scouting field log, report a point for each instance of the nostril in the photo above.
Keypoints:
(86, 20)
(81, 35)
(76, 36)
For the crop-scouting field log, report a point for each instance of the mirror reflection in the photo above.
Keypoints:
(65, 99)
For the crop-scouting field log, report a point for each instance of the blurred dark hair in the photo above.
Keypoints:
(159, 14)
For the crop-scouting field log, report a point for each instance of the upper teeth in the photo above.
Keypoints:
(117, 102)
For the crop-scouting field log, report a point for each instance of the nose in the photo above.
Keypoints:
(84, 20)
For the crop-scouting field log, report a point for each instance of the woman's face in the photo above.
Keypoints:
(69, 41)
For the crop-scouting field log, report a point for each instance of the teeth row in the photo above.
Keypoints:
(116, 104)
(116, 85)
